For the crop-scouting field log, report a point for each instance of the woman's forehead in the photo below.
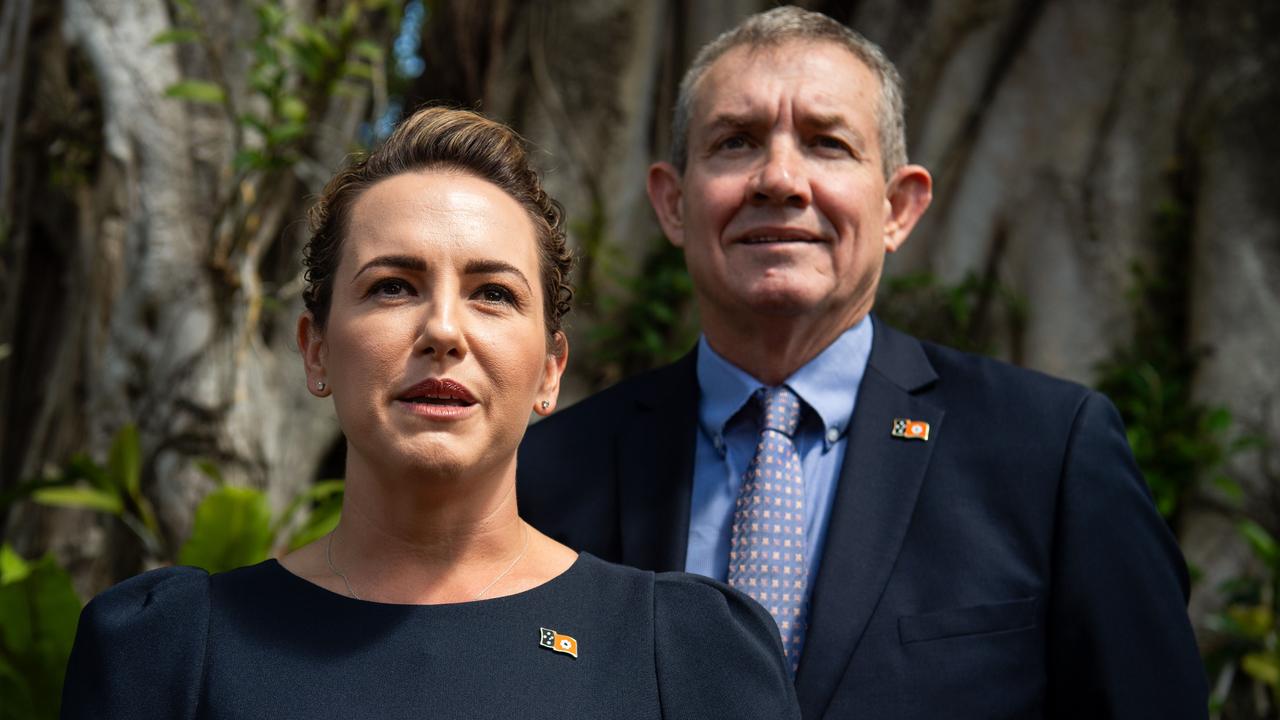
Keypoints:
(439, 212)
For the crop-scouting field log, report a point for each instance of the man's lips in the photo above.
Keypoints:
(776, 236)
(438, 391)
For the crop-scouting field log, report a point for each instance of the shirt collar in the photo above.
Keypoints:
(828, 384)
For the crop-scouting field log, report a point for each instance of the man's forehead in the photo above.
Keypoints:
(823, 82)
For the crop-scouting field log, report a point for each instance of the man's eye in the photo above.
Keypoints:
(828, 142)
(496, 294)
(733, 142)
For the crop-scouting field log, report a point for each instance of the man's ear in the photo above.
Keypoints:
(315, 352)
(907, 196)
(557, 359)
(666, 191)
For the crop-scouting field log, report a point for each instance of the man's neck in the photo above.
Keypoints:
(773, 349)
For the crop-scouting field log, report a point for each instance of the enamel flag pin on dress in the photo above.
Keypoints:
(908, 429)
(560, 643)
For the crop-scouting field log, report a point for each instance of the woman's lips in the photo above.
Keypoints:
(438, 399)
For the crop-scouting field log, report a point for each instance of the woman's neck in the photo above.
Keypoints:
(411, 538)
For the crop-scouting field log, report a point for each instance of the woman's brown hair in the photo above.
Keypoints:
(442, 138)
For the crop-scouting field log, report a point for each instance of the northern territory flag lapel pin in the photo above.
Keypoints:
(909, 429)
(557, 642)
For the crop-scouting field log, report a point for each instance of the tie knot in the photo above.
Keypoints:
(781, 410)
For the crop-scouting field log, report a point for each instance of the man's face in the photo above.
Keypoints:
(782, 210)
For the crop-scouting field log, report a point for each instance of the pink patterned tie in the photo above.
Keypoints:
(766, 554)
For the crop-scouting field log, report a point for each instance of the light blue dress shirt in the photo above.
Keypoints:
(828, 385)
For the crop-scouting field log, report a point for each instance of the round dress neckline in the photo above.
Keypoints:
(573, 569)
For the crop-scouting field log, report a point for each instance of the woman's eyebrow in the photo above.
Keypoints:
(490, 267)
(400, 262)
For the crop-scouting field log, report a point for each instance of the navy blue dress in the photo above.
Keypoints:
(260, 642)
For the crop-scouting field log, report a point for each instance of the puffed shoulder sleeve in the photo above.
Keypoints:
(139, 648)
(717, 652)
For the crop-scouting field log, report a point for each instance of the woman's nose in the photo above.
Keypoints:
(781, 177)
(441, 333)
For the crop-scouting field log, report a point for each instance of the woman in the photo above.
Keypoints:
(436, 276)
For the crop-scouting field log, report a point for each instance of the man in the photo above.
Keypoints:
(936, 534)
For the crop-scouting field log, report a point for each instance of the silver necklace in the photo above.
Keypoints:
(328, 558)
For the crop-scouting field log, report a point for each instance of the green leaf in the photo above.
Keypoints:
(209, 470)
(179, 35)
(368, 50)
(292, 108)
(316, 494)
(322, 520)
(1218, 420)
(285, 132)
(232, 529)
(38, 616)
(357, 70)
(197, 91)
(1262, 667)
(1251, 621)
(1229, 487)
(1262, 542)
(250, 159)
(316, 40)
(12, 567)
(81, 497)
(83, 467)
(124, 464)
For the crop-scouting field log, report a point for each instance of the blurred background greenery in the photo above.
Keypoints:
(1100, 213)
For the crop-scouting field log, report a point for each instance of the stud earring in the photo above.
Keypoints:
(320, 385)
(545, 404)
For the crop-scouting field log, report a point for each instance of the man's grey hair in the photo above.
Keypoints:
(787, 24)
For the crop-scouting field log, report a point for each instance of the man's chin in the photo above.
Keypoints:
(783, 300)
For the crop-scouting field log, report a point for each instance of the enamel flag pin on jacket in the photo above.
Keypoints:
(560, 643)
(908, 429)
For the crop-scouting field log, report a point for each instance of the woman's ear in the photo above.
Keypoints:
(557, 359)
(315, 352)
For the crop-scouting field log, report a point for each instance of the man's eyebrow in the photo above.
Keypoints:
(491, 267)
(400, 262)
(734, 120)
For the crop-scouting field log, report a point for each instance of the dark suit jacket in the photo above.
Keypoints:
(1011, 566)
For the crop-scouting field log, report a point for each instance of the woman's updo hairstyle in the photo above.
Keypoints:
(441, 138)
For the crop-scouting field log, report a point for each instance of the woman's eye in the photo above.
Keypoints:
(496, 294)
(390, 288)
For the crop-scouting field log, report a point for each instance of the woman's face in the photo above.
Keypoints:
(435, 348)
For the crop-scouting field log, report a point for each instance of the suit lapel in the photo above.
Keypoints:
(879, 483)
(655, 469)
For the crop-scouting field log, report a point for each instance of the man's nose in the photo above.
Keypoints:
(781, 176)
(441, 333)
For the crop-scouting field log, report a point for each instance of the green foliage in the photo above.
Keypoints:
(295, 65)
(232, 529)
(649, 322)
(1248, 638)
(233, 525)
(197, 91)
(958, 316)
(114, 488)
(39, 610)
(1178, 441)
(324, 504)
